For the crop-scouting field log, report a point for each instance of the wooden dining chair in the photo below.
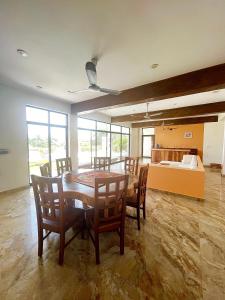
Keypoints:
(54, 212)
(131, 165)
(45, 170)
(109, 210)
(102, 163)
(63, 165)
(138, 199)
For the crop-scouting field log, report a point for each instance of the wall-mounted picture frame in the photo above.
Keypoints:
(188, 135)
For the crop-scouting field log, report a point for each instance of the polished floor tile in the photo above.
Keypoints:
(178, 254)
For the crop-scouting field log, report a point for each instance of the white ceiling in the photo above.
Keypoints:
(128, 36)
(190, 100)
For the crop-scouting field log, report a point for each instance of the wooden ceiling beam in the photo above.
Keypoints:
(184, 121)
(189, 111)
(203, 80)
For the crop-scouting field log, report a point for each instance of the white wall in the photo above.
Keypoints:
(213, 143)
(13, 133)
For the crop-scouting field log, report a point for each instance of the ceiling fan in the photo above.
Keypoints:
(91, 72)
(149, 115)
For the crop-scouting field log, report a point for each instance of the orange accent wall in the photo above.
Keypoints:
(175, 138)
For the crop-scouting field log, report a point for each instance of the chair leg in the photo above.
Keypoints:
(61, 248)
(40, 242)
(144, 210)
(138, 217)
(122, 240)
(83, 228)
(97, 255)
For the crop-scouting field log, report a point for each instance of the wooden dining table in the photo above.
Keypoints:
(86, 193)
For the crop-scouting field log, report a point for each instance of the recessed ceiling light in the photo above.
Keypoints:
(22, 52)
(154, 66)
(39, 86)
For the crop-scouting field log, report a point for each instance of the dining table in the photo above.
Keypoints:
(81, 185)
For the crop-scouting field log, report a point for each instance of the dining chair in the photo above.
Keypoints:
(54, 212)
(138, 199)
(109, 210)
(131, 165)
(63, 165)
(102, 163)
(45, 170)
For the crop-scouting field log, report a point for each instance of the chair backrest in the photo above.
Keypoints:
(45, 170)
(49, 200)
(102, 163)
(63, 165)
(110, 199)
(142, 183)
(131, 165)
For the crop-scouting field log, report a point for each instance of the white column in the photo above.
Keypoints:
(135, 142)
(73, 141)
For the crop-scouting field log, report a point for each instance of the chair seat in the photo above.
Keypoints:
(132, 201)
(110, 225)
(72, 216)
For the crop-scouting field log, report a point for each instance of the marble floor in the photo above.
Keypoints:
(178, 254)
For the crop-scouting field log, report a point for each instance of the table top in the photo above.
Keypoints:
(87, 193)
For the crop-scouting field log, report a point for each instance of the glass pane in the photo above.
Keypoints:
(93, 147)
(108, 145)
(58, 146)
(125, 130)
(57, 118)
(36, 115)
(116, 145)
(86, 124)
(84, 147)
(103, 126)
(38, 147)
(148, 131)
(147, 146)
(101, 144)
(115, 128)
(125, 145)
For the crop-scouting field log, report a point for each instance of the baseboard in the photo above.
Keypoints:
(14, 190)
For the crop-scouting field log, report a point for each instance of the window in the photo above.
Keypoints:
(103, 126)
(101, 139)
(148, 131)
(86, 124)
(86, 141)
(47, 138)
(115, 128)
(125, 145)
(148, 140)
(116, 145)
(36, 115)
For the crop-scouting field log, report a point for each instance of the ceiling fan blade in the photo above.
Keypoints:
(110, 92)
(78, 91)
(90, 68)
(156, 114)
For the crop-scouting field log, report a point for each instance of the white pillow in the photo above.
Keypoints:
(187, 159)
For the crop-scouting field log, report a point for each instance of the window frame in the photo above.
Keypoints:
(110, 139)
(49, 125)
(142, 141)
